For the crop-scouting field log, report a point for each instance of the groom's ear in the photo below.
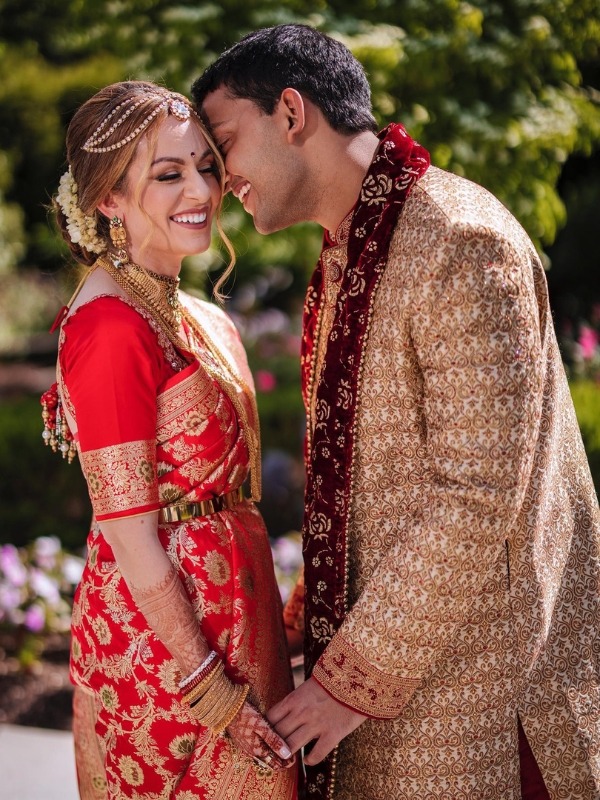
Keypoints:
(294, 112)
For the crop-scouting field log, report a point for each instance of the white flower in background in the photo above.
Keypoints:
(46, 550)
(43, 586)
(72, 568)
(36, 585)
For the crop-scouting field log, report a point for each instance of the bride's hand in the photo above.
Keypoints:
(253, 734)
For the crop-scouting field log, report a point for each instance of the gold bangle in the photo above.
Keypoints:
(225, 710)
(219, 705)
(200, 690)
(214, 698)
(241, 692)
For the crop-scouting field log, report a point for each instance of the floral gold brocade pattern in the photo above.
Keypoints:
(224, 358)
(293, 610)
(194, 393)
(121, 478)
(188, 410)
(331, 397)
(152, 746)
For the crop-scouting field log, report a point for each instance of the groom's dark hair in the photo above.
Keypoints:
(264, 63)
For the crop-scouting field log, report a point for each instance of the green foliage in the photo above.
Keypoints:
(574, 274)
(40, 494)
(12, 234)
(494, 90)
(36, 99)
(586, 398)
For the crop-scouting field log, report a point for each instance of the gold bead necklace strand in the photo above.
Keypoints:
(158, 294)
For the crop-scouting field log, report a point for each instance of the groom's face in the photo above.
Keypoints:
(264, 172)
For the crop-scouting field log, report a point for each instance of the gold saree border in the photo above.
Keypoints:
(122, 478)
(194, 394)
(355, 682)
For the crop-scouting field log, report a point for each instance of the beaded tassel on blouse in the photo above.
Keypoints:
(56, 433)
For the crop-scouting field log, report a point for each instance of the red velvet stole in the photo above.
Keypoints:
(398, 164)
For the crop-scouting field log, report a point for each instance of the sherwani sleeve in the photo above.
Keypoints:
(110, 367)
(474, 327)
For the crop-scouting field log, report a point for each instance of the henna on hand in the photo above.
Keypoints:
(252, 733)
(169, 613)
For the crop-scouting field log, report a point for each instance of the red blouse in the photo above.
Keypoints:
(112, 369)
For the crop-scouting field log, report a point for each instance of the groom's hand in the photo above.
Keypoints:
(310, 714)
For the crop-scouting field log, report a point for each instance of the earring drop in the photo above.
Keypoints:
(118, 236)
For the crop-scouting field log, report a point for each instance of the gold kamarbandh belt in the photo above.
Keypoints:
(180, 512)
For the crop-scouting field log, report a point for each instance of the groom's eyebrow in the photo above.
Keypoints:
(207, 122)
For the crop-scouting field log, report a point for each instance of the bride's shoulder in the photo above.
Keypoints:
(98, 285)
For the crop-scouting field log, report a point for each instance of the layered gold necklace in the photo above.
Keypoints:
(158, 295)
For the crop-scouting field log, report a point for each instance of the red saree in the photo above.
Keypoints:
(153, 430)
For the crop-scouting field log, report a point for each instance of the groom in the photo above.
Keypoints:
(452, 532)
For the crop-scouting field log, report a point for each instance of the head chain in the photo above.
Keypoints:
(174, 105)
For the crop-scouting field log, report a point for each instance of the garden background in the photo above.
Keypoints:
(505, 93)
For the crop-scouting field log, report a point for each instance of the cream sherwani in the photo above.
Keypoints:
(474, 538)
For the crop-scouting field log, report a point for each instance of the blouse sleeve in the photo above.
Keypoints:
(112, 366)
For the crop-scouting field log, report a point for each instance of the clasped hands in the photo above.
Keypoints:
(308, 714)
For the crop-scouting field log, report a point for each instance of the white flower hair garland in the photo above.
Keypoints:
(81, 227)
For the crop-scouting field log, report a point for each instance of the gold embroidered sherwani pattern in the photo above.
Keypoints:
(473, 541)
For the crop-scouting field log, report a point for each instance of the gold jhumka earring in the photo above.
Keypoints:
(118, 236)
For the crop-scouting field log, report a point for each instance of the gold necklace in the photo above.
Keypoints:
(158, 294)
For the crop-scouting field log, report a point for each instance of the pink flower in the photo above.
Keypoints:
(588, 341)
(12, 566)
(10, 600)
(287, 554)
(35, 618)
(293, 345)
(265, 381)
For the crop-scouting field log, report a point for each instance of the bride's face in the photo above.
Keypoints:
(170, 197)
